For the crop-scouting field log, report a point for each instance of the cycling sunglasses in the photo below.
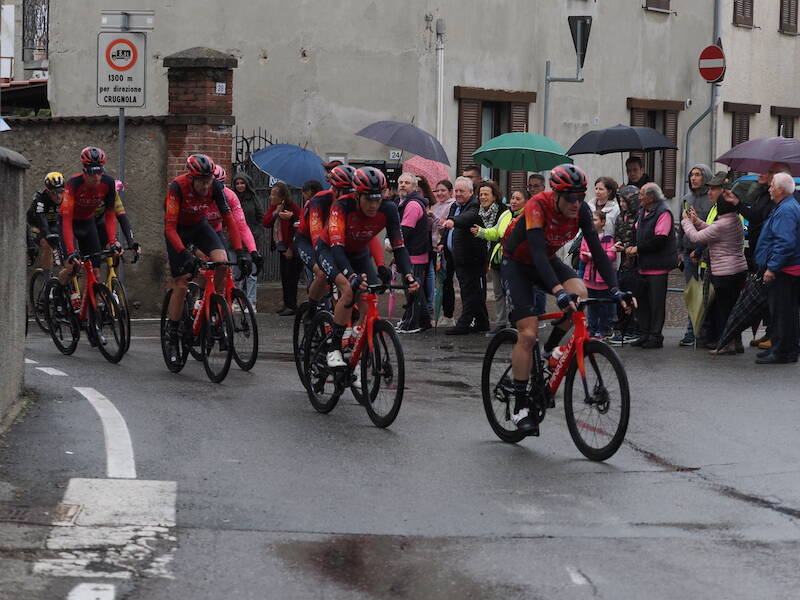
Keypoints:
(574, 197)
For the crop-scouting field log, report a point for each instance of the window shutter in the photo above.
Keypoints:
(669, 157)
(638, 119)
(469, 132)
(659, 4)
(786, 126)
(788, 16)
(740, 132)
(519, 123)
(743, 12)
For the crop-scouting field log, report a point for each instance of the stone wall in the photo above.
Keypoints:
(55, 145)
(12, 278)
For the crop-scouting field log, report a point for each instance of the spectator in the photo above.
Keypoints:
(725, 240)
(253, 214)
(698, 199)
(634, 167)
(628, 274)
(469, 258)
(599, 315)
(282, 216)
(656, 250)
(310, 189)
(473, 172)
(429, 282)
(443, 195)
(535, 184)
(757, 209)
(417, 236)
(605, 199)
(778, 253)
(491, 211)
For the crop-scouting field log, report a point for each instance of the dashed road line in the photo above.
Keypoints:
(52, 371)
(119, 450)
(29, 361)
(93, 591)
(576, 576)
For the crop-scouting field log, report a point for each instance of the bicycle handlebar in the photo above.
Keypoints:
(373, 288)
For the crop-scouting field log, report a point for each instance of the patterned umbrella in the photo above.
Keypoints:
(749, 308)
(431, 170)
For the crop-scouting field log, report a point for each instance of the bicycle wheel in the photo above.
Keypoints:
(183, 351)
(107, 324)
(302, 322)
(383, 375)
(118, 291)
(216, 339)
(322, 388)
(36, 298)
(597, 423)
(193, 293)
(245, 331)
(497, 386)
(62, 322)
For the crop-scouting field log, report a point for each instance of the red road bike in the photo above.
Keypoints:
(596, 393)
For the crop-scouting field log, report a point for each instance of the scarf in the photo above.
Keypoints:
(489, 215)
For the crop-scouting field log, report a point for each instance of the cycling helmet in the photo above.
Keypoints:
(369, 180)
(93, 156)
(200, 165)
(567, 178)
(341, 177)
(54, 181)
(220, 174)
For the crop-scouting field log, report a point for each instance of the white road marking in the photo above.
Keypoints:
(52, 371)
(29, 361)
(119, 450)
(93, 591)
(145, 337)
(576, 576)
(113, 502)
(147, 319)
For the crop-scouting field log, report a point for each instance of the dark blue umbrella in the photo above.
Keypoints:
(407, 137)
(621, 138)
(291, 164)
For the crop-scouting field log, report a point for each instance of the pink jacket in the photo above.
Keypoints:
(591, 276)
(725, 240)
(215, 219)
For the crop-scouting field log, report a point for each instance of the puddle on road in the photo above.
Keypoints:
(390, 567)
(455, 384)
(279, 356)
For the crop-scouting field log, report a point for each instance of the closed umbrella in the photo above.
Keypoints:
(757, 155)
(407, 137)
(291, 164)
(431, 170)
(750, 307)
(621, 138)
(521, 152)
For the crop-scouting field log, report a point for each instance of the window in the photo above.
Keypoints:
(786, 118)
(788, 22)
(657, 5)
(743, 12)
(34, 29)
(740, 122)
(661, 115)
(484, 114)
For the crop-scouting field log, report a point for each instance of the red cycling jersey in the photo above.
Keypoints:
(539, 213)
(315, 215)
(80, 203)
(352, 229)
(183, 206)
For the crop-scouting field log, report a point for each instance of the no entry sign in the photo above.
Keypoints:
(712, 63)
(121, 62)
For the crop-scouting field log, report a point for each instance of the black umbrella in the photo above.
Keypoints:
(407, 137)
(750, 306)
(621, 138)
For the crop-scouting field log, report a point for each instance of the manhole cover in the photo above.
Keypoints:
(60, 514)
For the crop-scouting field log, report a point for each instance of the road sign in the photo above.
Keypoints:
(712, 64)
(579, 27)
(121, 59)
(127, 20)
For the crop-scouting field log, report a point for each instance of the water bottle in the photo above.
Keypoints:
(75, 301)
(196, 308)
(555, 356)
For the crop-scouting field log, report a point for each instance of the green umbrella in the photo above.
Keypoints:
(521, 152)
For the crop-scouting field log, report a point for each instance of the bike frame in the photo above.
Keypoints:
(205, 303)
(87, 294)
(574, 346)
(371, 300)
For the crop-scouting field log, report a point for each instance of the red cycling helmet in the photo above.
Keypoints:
(369, 180)
(200, 165)
(220, 174)
(567, 178)
(341, 177)
(93, 156)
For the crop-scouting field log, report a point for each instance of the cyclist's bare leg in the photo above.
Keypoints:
(572, 286)
(46, 252)
(343, 310)
(220, 272)
(319, 286)
(522, 354)
(175, 308)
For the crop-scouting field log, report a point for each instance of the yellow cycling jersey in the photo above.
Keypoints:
(119, 209)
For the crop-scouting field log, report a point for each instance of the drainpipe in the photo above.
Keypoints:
(712, 147)
(439, 79)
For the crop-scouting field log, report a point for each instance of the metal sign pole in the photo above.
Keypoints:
(122, 151)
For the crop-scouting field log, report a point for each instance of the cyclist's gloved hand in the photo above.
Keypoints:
(624, 298)
(190, 262)
(245, 263)
(258, 260)
(116, 248)
(355, 281)
(52, 239)
(74, 258)
(385, 274)
(563, 299)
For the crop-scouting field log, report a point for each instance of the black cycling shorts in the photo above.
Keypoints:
(520, 282)
(362, 262)
(86, 240)
(304, 249)
(201, 235)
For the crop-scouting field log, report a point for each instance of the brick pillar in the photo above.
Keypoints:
(200, 119)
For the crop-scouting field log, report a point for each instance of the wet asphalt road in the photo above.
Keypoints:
(276, 501)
